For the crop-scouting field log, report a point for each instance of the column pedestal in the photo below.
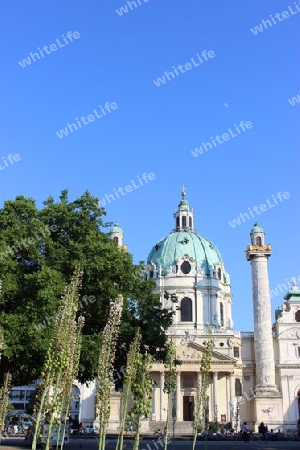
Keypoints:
(268, 410)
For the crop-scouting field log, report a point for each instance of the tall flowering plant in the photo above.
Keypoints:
(141, 393)
(200, 403)
(170, 382)
(58, 360)
(106, 366)
(4, 395)
(129, 379)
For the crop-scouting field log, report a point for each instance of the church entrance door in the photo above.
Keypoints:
(188, 408)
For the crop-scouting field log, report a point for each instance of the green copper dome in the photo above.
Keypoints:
(116, 228)
(184, 205)
(180, 243)
(257, 229)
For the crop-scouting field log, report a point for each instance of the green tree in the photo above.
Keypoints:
(39, 249)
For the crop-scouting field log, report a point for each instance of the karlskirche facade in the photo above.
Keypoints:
(254, 377)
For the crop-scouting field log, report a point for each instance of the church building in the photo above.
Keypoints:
(254, 376)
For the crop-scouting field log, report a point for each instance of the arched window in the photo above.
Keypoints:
(238, 387)
(186, 310)
(219, 273)
(183, 221)
(190, 222)
(151, 274)
(258, 241)
(297, 316)
(221, 314)
(116, 240)
(177, 222)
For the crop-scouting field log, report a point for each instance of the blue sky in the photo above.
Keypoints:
(155, 129)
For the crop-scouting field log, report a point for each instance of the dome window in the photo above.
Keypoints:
(190, 222)
(185, 267)
(297, 316)
(183, 221)
(177, 222)
(186, 310)
(151, 274)
(258, 241)
(219, 273)
(116, 240)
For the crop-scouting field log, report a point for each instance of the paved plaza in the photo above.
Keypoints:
(149, 444)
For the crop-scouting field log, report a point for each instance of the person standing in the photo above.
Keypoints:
(262, 429)
(245, 435)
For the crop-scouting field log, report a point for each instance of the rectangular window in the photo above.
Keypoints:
(238, 387)
(17, 395)
(236, 352)
(188, 380)
(184, 222)
(299, 352)
(19, 406)
(30, 395)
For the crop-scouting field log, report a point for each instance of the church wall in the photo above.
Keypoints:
(247, 348)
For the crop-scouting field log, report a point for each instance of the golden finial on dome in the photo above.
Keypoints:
(183, 194)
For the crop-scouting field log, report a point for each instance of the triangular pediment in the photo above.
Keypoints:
(193, 352)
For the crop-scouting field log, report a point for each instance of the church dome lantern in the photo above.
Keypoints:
(184, 251)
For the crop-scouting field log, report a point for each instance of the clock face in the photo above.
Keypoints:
(185, 267)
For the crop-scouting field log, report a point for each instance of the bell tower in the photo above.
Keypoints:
(184, 218)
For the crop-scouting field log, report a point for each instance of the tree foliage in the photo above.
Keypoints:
(39, 249)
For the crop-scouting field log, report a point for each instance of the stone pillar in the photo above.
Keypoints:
(178, 397)
(267, 396)
(162, 382)
(215, 390)
(263, 341)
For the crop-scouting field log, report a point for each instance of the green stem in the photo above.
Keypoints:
(167, 424)
(65, 425)
(137, 435)
(41, 410)
(119, 445)
(47, 446)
